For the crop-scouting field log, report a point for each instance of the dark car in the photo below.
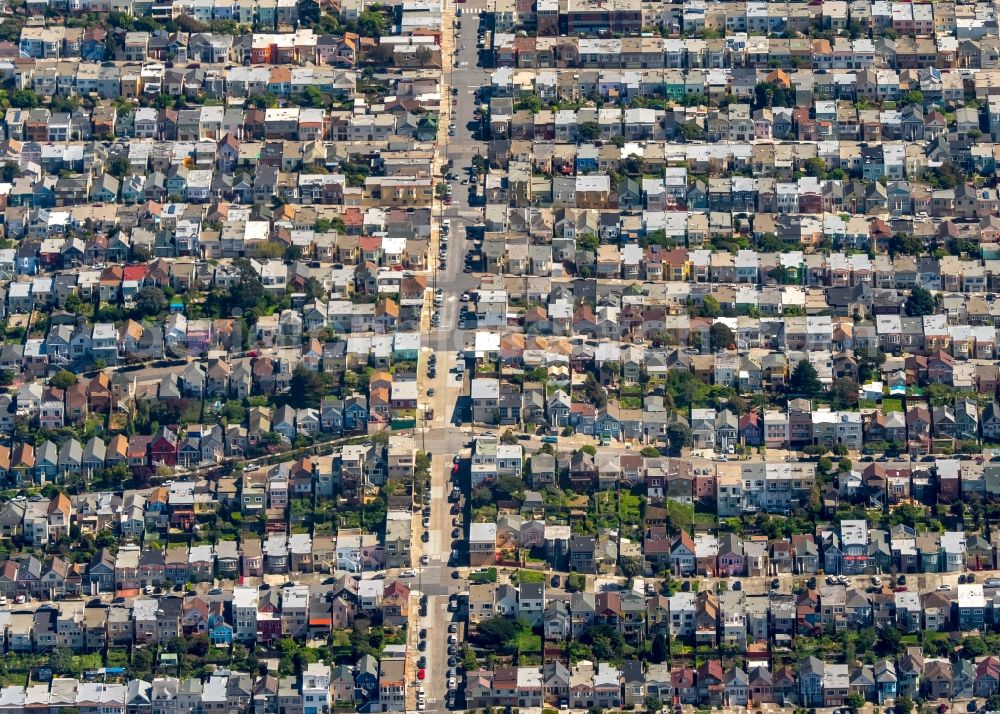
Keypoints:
(425, 536)
(422, 645)
(422, 662)
(423, 634)
(455, 575)
(775, 584)
(556, 581)
(452, 661)
(456, 533)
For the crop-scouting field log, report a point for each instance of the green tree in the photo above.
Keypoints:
(804, 379)
(372, 23)
(118, 166)
(691, 131)
(60, 660)
(905, 244)
(710, 307)
(575, 582)
(531, 103)
(588, 241)
(844, 393)
(631, 566)
(63, 379)
(588, 131)
(151, 301)
(248, 290)
(815, 167)
(678, 437)
(973, 647)
(720, 336)
(770, 243)
(919, 302)
(306, 388)
(496, 632)
(660, 649)
(25, 99)
(903, 705)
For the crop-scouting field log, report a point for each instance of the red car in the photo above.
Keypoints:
(421, 674)
(454, 468)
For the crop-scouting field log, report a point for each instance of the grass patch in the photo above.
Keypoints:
(530, 576)
(892, 405)
(480, 577)
(528, 642)
(87, 661)
(704, 521)
(630, 506)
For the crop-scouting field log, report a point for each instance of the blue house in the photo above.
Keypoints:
(586, 158)
(885, 680)
(366, 679)
(220, 632)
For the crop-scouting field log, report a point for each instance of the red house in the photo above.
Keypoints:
(163, 448)
(268, 616)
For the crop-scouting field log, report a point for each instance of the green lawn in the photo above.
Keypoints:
(483, 576)
(892, 405)
(528, 642)
(630, 506)
(87, 661)
(530, 576)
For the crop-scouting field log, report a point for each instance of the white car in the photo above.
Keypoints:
(425, 559)
(944, 588)
(452, 639)
(408, 574)
(451, 683)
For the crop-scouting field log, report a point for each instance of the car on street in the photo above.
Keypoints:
(452, 650)
(430, 392)
(423, 634)
(421, 674)
(425, 559)
(422, 645)
(421, 662)
(453, 627)
(408, 574)
(455, 533)
(452, 661)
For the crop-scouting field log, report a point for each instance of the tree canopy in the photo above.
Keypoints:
(804, 379)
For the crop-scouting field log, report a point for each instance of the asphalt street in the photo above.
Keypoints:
(441, 434)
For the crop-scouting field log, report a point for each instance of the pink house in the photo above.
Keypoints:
(732, 559)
